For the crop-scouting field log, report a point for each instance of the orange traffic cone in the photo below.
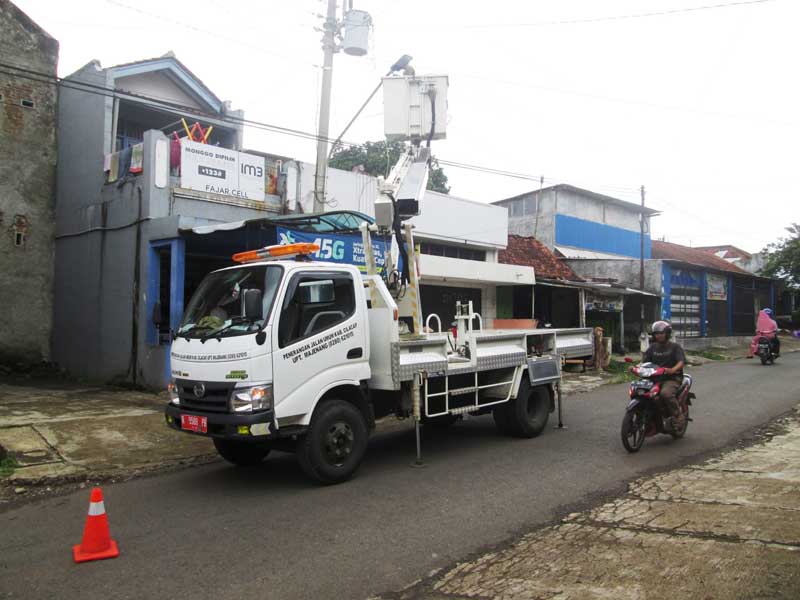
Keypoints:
(96, 543)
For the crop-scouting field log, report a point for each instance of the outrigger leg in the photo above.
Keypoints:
(416, 406)
(560, 413)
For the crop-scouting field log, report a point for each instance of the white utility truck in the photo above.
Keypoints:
(284, 352)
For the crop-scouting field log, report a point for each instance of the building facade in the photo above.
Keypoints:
(28, 104)
(588, 230)
(579, 223)
(145, 211)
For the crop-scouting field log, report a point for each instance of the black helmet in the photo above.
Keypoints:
(662, 327)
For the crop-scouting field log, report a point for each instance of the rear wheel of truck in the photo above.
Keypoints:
(335, 444)
(242, 454)
(527, 415)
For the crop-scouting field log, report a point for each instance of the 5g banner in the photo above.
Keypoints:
(337, 248)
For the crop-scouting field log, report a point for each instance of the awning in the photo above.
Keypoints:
(338, 221)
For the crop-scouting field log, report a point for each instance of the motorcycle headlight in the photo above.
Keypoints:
(174, 397)
(251, 399)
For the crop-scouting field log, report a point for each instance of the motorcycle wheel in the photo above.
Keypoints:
(764, 359)
(679, 433)
(634, 429)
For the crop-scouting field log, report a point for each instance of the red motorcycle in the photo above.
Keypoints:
(644, 416)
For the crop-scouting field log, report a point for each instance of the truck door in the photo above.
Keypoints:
(320, 340)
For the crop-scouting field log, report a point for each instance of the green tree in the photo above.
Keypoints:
(378, 158)
(782, 258)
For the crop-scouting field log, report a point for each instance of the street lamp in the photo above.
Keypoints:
(356, 26)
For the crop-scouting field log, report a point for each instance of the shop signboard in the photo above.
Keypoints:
(716, 287)
(206, 168)
(347, 248)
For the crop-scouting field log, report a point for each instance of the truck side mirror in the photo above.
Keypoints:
(252, 304)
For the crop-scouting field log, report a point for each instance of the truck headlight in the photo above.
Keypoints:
(174, 397)
(251, 399)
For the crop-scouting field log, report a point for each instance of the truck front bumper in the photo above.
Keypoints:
(256, 427)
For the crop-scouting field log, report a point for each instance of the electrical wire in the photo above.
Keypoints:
(164, 104)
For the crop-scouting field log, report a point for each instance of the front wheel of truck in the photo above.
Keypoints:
(242, 454)
(335, 443)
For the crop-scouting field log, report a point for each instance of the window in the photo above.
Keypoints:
(315, 302)
(449, 251)
(218, 306)
(26, 103)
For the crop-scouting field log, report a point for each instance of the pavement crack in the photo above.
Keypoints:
(49, 445)
(704, 535)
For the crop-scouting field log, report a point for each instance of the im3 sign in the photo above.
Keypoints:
(206, 168)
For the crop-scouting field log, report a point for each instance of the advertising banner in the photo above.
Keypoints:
(337, 248)
(716, 287)
(206, 168)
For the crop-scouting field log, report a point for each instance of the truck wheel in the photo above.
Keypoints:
(527, 415)
(335, 444)
(242, 454)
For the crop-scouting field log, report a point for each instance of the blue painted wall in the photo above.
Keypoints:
(579, 233)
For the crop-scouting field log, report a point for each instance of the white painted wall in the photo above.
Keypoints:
(156, 85)
(445, 218)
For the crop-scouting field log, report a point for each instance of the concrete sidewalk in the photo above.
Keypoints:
(725, 529)
(69, 433)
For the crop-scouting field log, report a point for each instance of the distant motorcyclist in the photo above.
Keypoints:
(669, 355)
(765, 327)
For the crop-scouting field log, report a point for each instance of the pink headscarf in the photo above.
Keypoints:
(765, 323)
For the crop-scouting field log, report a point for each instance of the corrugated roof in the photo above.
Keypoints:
(693, 256)
(530, 252)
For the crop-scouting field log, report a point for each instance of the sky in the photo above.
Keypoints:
(699, 105)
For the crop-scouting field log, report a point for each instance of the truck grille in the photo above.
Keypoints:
(215, 399)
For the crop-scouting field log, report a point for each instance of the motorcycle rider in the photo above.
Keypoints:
(765, 327)
(669, 355)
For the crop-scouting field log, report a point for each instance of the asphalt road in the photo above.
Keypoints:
(224, 532)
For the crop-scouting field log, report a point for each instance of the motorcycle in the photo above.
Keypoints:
(767, 350)
(644, 416)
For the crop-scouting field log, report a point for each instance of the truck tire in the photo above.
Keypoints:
(242, 454)
(335, 443)
(527, 415)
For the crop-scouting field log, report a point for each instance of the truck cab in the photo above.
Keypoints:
(261, 343)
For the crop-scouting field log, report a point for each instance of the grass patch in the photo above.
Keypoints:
(710, 354)
(621, 372)
(7, 466)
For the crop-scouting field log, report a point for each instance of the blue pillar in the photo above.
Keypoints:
(730, 304)
(772, 298)
(666, 292)
(703, 306)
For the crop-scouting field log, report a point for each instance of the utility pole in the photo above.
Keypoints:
(328, 47)
(641, 261)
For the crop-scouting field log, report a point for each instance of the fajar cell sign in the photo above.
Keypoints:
(215, 170)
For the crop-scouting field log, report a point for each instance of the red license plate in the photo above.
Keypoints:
(194, 423)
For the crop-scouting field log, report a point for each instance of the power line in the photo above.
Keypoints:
(164, 104)
(658, 13)
(196, 29)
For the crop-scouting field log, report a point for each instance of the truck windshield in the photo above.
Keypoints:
(217, 307)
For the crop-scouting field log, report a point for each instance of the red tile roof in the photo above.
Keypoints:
(730, 251)
(693, 256)
(530, 252)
